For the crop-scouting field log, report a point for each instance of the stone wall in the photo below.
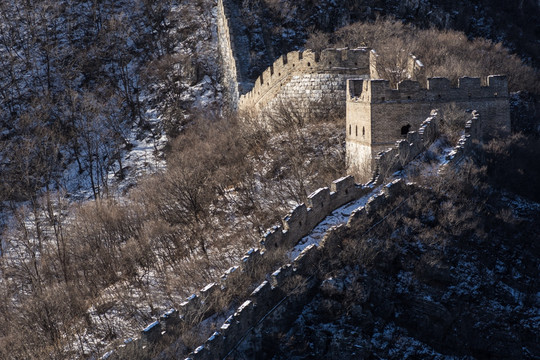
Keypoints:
(306, 72)
(291, 286)
(311, 96)
(233, 47)
(228, 61)
(466, 143)
(297, 224)
(377, 115)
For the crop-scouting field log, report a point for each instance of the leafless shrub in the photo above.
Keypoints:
(452, 123)
(444, 53)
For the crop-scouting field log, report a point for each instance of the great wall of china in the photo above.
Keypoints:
(280, 289)
(381, 113)
(312, 81)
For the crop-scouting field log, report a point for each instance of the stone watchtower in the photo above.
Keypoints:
(378, 115)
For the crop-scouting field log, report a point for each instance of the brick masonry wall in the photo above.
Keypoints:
(311, 95)
(303, 68)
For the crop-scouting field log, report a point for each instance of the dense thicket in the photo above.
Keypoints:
(277, 27)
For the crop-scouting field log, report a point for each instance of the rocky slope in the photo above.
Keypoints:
(452, 276)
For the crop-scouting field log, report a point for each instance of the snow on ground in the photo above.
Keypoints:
(337, 217)
(438, 150)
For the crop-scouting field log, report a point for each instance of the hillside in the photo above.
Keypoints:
(454, 275)
(270, 28)
(127, 184)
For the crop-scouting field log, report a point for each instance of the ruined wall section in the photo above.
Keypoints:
(466, 143)
(304, 70)
(228, 61)
(292, 285)
(404, 151)
(233, 47)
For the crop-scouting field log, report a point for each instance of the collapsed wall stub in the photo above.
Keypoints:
(233, 47)
(378, 115)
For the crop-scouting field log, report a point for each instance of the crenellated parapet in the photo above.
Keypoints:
(208, 301)
(328, 61)
(438, 90)
(293, 283)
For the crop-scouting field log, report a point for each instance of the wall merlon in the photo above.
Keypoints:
(378, 89)
(438, 84)
(331, 57)
(280, 275)
(408, 86)
(395, 188)
(215, 342)
(250, 259)
(209, 292)
(273, 237)
(244, 318)
(170, 319)
(356, 57)
(498, 83)
(261, 292)
(152, 332)
(307, 257)
(296, 218)
(319, 198)
(309, 58)
(343, 185)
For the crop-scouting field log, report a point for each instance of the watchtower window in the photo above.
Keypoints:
(350, 129)
(363, 131)
(308, 64)
(356, 130)
(405, 129)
